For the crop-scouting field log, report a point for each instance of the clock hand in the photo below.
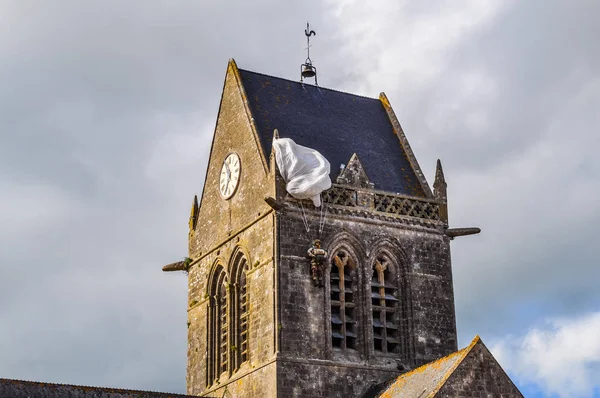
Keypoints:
(227, 172)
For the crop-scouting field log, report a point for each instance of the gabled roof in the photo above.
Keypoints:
(430, 379)
(336, 124)
(427, 379)
(21, 388)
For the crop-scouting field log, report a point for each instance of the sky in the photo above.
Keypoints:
(107, 110)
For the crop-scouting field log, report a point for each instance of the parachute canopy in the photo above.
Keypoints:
(305, 170)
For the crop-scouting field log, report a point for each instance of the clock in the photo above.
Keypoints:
(230, 175)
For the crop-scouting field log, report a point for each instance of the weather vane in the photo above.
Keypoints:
(307, 69)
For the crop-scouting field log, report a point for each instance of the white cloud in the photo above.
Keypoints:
(474, 84)
(403, 42)
(533, 205)
(120, 103)
(561, 357)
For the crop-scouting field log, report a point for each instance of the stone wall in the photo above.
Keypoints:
(246, 223)
(327, 379)
(256, 383)
(479, 375)
(289, 317)
(218, 219)
(254, 242)
(305, 310)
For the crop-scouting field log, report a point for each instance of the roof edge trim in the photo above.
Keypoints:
(242, 90)
(212, 142)
(463, 355)
(86, 387)
(405, 145)
(308, 84)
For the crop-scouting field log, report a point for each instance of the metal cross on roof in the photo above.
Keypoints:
(307, 69)
(308, 34)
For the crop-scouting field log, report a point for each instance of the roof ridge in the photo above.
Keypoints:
(2, 379)
(463, 354)
(428, 364)
(312, 85)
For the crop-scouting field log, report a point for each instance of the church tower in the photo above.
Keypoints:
(258, 324)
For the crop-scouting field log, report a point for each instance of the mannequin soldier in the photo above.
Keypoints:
(317, 257)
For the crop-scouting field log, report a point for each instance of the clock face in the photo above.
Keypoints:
(230, 175)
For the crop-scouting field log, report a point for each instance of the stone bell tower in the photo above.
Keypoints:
(258, 325)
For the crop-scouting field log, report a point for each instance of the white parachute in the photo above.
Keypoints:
(305, 170)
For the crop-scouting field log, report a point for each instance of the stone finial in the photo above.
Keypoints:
(439, 174)
(354, 174)
(440, 191)
(272, 163)
(194, 214)
(275, 137)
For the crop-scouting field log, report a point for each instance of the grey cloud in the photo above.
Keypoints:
(536, 249)
(538, 54)
(112, 105)
(510, 110)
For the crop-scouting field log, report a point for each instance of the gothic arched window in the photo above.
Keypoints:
(240, 308)
(218, 326)
(384, 303)
(343, 308)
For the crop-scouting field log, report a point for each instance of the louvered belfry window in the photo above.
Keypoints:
(218, 326)
(343, 308)
(384, 300)
(223, 327)
(243, 328)
(240, 318)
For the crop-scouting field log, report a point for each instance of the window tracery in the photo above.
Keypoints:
(385, 305)
(228, 319)
(343, 295)
(240, 316)
(218, 326)
(223, 326)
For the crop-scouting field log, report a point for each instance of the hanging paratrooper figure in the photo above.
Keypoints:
(317, 256)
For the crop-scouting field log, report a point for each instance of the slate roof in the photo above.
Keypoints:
(22, 389)
(426, 380)
(336, 124)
